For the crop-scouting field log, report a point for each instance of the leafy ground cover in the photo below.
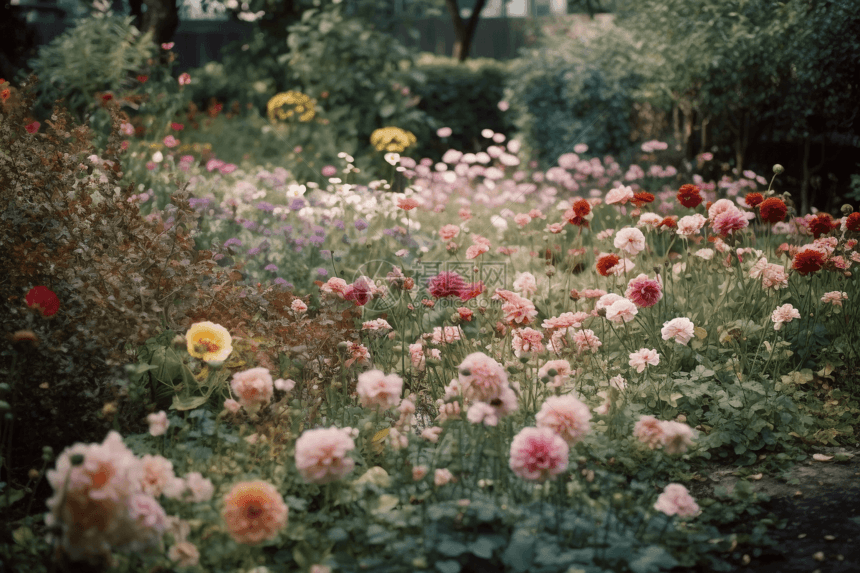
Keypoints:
(466, 365)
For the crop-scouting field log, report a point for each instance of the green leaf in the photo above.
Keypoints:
(338, 534)
(655, 558)
(451, 548)
(448, 566)
(188, 403)
(520, 553)
(482, 547)
(14, 496)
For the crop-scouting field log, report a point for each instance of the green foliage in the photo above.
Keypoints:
(464, 97)
(100, 54)
(562, 94)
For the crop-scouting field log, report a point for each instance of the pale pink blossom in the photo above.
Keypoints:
(706, 254)
(526, 340)
(649, 431)
(834, 297)
(321, 454)
(336, 286)
(565, 320)
(538, 454)
(232, 405)
(516, 309)
(720, 206)
(482, 413)
(149, 520)
(618, 382)
(619, 195)
(522, 219)
(676, 500)
(622, 267)
(184, 554)
(607, 300)
(525, 284)
(416, 356)
(676, 437)
(378, 391)
(199, 487)
(431, 434)
(418, 472)
(643, 357)
(357, 353)
(449, 232)
(406, 203)
(621, 311)
(783, 314)
(690, 225)
(630, 240)
(184, 79)
(650, 220)
(158, 477)
(562, 371)
(442, 476)
(158, 423)
(680, 329)
(377, 324)
(285, 385)
(445, 334)
(774, 277)
(298, 306)
(586, 340)
(474, 251)
(729, 221)
(554, 228)
(566, 416)
(253, 387)
(482, 378)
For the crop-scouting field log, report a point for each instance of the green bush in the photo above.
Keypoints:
(464, 97)
(573, 93)
(102, 53)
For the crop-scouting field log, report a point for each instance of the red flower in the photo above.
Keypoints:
(772, 210)
(642, 198)
(669, 222)
(43, 299)
(753, 199)
(808, 261)
(852, 223)
(33, 127)
(471, 290)
(446, 284)
(177, 126)
(821, 225)
(107, 97)
(581, 207)
(4, 95)
(142, 79)
(688, 196)
(605, 263)
(358, 292)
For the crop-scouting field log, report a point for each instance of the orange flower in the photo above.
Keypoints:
(4, 95)
(254, 511)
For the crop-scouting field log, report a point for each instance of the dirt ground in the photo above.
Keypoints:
(820, 501)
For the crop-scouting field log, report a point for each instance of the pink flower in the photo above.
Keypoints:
(649, 431)
(445, 284)
(619, 195)
(526, 340)
(720, 206)
(538, 454)
(158, 477)
(474, 251)
(184, 554)
(586, 340)
(298, 306)
(445, 334)
(167, 46)
(328, 171)
(690, 225)
(729, 221)
(465, 313)
(621, 311)
(431, 434)
(158, 423)
(184, 79)
(526, 284)
(444, 132)
(148, 516)
(232, 405)
(442, 476)
(378, 391)
(254, 511)
(376, 325)
(834, 297)
(449, 232)
(481, 412)
(644, 356)
(680, 329)
(406, 203)
(630, 240)
(253, 387)
(418, 472)
(357, 353)
(566, 416)
(565, 320)
(170, 141)
(200, 488)
(334, 285)
(562, 371)
(643, 291)
(677, 436)
(516, 309)
(783, 314)
(522, 219)
(676, 500)
(482, 378)
(321, 455)
(608, 299)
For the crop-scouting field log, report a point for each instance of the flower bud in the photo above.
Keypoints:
(777, 169)
(77, 459)
(847, 209)
(552, 372)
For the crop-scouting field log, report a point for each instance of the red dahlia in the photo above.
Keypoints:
(688, 196)
(821, 224)
(753, 199)
(43, 299)
(852, 223)
(642, 198)
(669, 222)
(581, 207)
(773, 210)
(808, 261)
(605, 263)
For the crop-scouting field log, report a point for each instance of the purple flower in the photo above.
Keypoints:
(233, 241)
(322, 272)
(253, 251)
(339, 224)
(318, 230)
(265, 206)
(360, 224)
(248, 224)
(300, 241)
(271, 267)
(316, 240)
(297, 204)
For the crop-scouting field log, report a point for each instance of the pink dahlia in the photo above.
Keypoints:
(446, 284)
(644, 292)
(482, 378)
(378, 391)
(566, 416)
(538, 454)
(321, 454)
(643, 357)
(254, 511)
(676, 500)
(729, 221)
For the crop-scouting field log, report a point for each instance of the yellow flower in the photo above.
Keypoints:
(392, 139)
(209, 341)
(285, 105)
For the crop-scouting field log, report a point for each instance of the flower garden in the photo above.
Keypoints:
(475, 363)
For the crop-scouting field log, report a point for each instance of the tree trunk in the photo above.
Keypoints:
(808, 172)
(464, 32)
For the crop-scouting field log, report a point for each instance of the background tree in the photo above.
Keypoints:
(464, 31)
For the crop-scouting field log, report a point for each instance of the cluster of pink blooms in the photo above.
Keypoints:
(526, 340)
(479, 247)
(773, 276)
(726, 218)
(643, 357)
(359, 292)
(378, 391)
(676, 500)
(322, 454)
(673, 437)
(105, 498)
(834, 297)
